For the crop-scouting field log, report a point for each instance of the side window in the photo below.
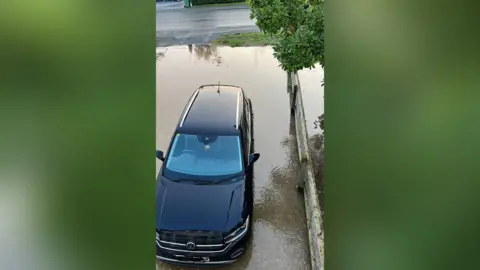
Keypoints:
(247, 106)
(246, 128)
(245, 143)
(246, 116)
(247, 124)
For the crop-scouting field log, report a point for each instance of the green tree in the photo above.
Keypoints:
(298, 26)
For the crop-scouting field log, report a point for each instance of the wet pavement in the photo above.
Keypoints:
(279, 238)
(199, 25)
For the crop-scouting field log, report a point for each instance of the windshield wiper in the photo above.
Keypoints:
(225, 180)
(196, 182)
(207, 182)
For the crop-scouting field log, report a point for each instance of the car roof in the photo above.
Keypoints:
(214, 109)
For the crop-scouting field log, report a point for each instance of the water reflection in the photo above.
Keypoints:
(281, 193)
(206, 52)
(160, 53)
(311, 83)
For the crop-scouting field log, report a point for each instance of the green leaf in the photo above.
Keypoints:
(299, 31)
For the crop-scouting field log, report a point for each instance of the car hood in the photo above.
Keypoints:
(185, 206)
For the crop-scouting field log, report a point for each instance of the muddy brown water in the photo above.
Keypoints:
(279, 238)
(313, 96)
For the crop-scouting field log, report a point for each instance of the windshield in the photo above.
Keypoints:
(205, 155)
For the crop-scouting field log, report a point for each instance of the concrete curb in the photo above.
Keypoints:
(307, 180)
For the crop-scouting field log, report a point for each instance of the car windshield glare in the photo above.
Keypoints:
(205, 155)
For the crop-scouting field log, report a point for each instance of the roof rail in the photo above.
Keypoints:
(218, 84)
(238, 110)
(189, 107)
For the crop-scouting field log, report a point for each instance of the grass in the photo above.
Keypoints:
(245, 39)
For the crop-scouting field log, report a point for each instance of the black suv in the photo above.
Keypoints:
(204, 195)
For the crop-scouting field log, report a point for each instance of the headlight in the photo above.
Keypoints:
(238, 233)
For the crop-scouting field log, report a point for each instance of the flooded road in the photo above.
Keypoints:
(279, 238)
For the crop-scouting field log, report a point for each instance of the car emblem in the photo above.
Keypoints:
(191, 246)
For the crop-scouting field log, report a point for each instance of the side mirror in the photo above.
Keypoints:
(159, 155)
(253, 158)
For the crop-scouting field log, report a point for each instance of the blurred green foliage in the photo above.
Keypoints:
(298, 24)
(402, 175)
(78, 114)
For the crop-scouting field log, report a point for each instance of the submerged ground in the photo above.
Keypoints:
(280, 235)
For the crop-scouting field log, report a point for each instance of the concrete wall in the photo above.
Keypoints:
(306, 176)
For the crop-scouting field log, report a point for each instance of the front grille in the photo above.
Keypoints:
(197, 237)
(203, 240)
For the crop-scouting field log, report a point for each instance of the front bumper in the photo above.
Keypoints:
(186, 262)
(226, 256)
